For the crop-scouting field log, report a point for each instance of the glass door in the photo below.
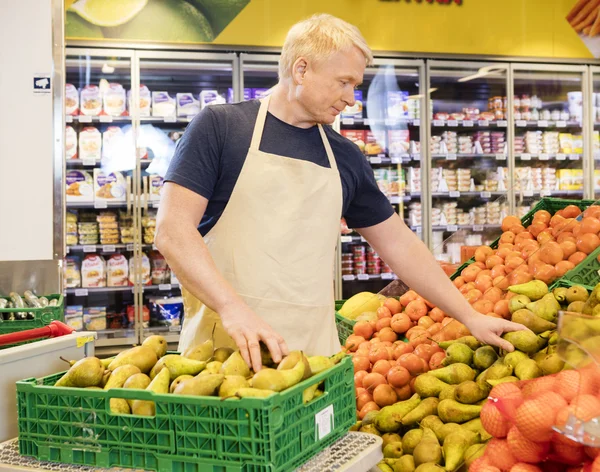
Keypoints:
(173, 88)
(468, 154)
(595, 131)
(100, 170)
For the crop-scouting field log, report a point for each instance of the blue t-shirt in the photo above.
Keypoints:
(210, 155)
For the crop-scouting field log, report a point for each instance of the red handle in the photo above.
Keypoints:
(53, 330)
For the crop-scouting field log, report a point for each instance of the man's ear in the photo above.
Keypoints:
(299, 69)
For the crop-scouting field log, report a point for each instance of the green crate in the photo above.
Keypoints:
(587, 272)
(188, 434)
(339, 304)
(567, 284)
(551, 205)
(345, 327)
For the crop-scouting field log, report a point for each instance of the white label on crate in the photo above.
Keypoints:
(130, 247)
(450, 157)
(348, 278)
(452, 123)
(438, 123)
(525, 157)
(89, 162)
(81, 292)
(561, 124)
(85, 119)
(454, 194)
(483, 123)
(561, 157)
(486, 194)
(478, 228)
(528, 193)
(362, 276)
(417, 122)
(502, 123)
(346, 239)
(544, 157)
(164, 287)
(467, 123)
(500, 157)
(348, 121)
(573, 157)
(543, 123)
(545, 193)
(452, 228)
(324, 423)
(416, 157)
(521, 123)
(106, 119)
(170, 119)
(100, 204)
(387, 276)
(108, 248)
(375, 160)
(90, 248)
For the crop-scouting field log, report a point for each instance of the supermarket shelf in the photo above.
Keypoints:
(483, 195)
(352, 239)
(547, 157)
(97, 119)
(364, 277)
(547, 124)
(384, 159)
(469, 124)
(96, 205)
(84, 292)
(116, 337)
(161, 287)
(94, 163)
(389, 122)
(531, 193)
(475, 228)
(166, 119)
(104, 248)
(170, 333)
(453, 157)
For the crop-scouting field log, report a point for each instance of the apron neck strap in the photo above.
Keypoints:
(328, 149)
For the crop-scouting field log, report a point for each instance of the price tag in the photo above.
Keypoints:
(362, 276)
(486, 194)
(452, 228)
(419, 229)
(438, 123)
(89, 162)
(478, 228)
(348, 121)
(100, 204)
(156, 204)
(528, 193)
(387, 276)
(81, 292)
(366, 122)
(375, 160)
(170, 119)
(174, 329)
(544, 157)
(561, 124)
(397, 160)
(542, 123)
(416, 157)
(521, 123)
(69, 119)
(90, 248)
(452, 123)
(500, 157)
(108, 248)
(468, 123)
(417, 122)
(348, 278)
(346, 239)
(164, 287)
(395, 200)
(525, 157)
(450, 157)
(85, 119)
(106, 119)
(483, 123)
(83, 340)
(561, 157)
(130, 247)
(324, 423)
(573, 157)
(454, 194)
(545, 193)
(68, 249)
(501, 123)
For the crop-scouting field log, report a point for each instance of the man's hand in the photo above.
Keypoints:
(488, 329)
(247, 330)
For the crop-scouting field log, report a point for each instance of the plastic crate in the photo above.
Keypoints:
(587, 272)
(191, 434)
(567, 284)
(551, 205)
(344, 327)
(42, 317)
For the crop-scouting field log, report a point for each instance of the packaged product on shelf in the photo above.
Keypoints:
(88, 233)
(109, 187)
(577, 144)
(71, 100)
(149, 227)
(72, 272)
(414, 108)
(90, 144)
(357, 136)
(465, 144)
(156, 185)
(441, 116)
(247, 95)
(596, 141)
(397, 104)
(126, 227)
(398, 141)
(165, 311)
(393, 183)
(74, 317)
(355, 111)
(187, 105)
(90, 100)
(115, 100)
(414, 214)
(108, 140)
(381, 177)
(414, 180)
(71, 228)
(70, 143)
(145, 316)
(93, 271)
(258, 93)
(160, 272)
(471, 113)
(94, 318)
(570, 179)
(373, 145)
(145, 101)
(80, 186)
(146, 280)
(210, 97)
(117, 271)
(163, 104)
(115, 320)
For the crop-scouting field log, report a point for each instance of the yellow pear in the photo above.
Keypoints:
(235, 365)
(231, 384)
(213, 367)
(292, 359)
(201, 352)
(318, 364)
(253, 393)
(158, 343)
(278, 380)
(178, 365)
(143, 357)
(160, 384)
(201, 385)
(534, 290)
(87, 372)
(178, 380)
(546, 308)
(577, 293)
(138, 382)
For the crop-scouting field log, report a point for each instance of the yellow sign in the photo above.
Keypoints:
(83, 340)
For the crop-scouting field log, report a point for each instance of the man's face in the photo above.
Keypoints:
(328, 86)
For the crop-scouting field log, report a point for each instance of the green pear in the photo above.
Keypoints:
(470, 392)
(119, 406)
(137, 381)
(221, 354)
(87, 372)
(534, 323)
(213, 367)
(448, 393)
(120, 375)
(454, 374)
(370, 417)
(596, 311)
(177, 366)
(231, 384)
(319, 364)
(513, 358)
(560, 293)
(160, 384)
(201, 385)
(518, 302)
(576, 307)
(458, 353)
(447, 429)
(429, 467)
(391, 438)
(278, 380)
(428, 386)
(369, 428)
(411, 440)
(143, 357)
(470, 341)
(253, 393)
(389, 419)
(455, 446)
(292, 359)
(527, 370)
(546, 308)
(472, 453)
(405, 464)
(105, 377)
(157, 343)
(432, 422)
(484, 357)
(178, 380)
(498, 370)
(427, 407)
(200, 352)
(235, 365)
(450, 411)
(494, 382)
(577, 293)
(534, 290)
(591, 302)
(525, 341)
(384, 467)
(428, 450)
(393, 450)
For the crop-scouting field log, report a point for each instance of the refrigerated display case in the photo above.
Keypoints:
(593, 140)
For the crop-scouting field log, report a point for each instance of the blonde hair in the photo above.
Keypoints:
(317, 38)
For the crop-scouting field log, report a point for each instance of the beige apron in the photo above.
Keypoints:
(275, 244)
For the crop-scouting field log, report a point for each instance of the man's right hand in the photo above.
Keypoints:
(247, 329)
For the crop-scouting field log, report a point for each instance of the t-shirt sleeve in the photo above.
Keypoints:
(368, 206)
(195, 164)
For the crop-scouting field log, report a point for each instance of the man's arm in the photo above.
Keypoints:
(178, 239)
(412, 261)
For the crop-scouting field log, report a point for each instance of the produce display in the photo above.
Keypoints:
(28, 300)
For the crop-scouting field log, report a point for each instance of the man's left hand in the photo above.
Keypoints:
(489, 330)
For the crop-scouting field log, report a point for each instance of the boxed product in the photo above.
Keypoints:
(145, 316)
(163, 104)
(111, 187)
(231, 96)
(156, 185)
(70, 143)
(93, 271)
(373, 146)
(160, 272)
(355, 111)
(145, 100)
(74, 317)
(72, 272)
(71, 100)
(90, 144)
(90, 101)
(110, 134)
(88, 233)
(187, 105)
(115, 100)
(357, 136)
(117, 271)
(258, 93)
(210, 97)
(80, 186)
(94, 318)
(146, 280)
(398, 141)
(397, 104)
(166, 311)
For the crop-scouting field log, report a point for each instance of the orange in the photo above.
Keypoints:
(551, 253)
(536, 416)
(472, 296)
(589, 225)
(510, 221)
(587, 242)
(519, 277)
(569, 248)
(469, 273)
(408, 297)
(393, 305)
(555, 220)
(514, 262)
(542, 216)
(571, 211)
(501, 282)
(517, 229)
(536, 228)
(524, 236)
(482, 253)
(501, 308)
(493, 421)
(498, 271)
(545, 236)
(483, 306)
(437, 315)
(593, 210)
(545, 272)
(493, 294)
(483, 283)
(577, 258)
(499, 454)
(565, 236)
(507, 237)
(502, 253)
(493, 261)
(525, 450)
(416, 309)
(563, 267)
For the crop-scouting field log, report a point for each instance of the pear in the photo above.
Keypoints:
(119, 406)
(432, 422)
(576, 307)
(458, 353)
(137, 381)
(177, 365)
(86, 372)
(391, 438)
(143, 357)
(527, 370)
(201, 385)
(447, 429)
(590, 303)
(200, 352)
(120, 376)
(546, 308)
(253, 393)
(450, 411)
(213, 367)
(455, 446)
(231, 384)
(370, 428)
(454, 374)
(105, 377)
(319, 364)
(105, 362)
(513, 358)
(470, 341)
(472, 453)
(427, 407)
(292, 359)
(494, 382)
(429, 467)
(393, 450)
(157, 343)
(476, 426)
(596, 311)
(484, 357)
(160, 384)
(428, 450)
(389, 419)
(577, 293)
(235, 365)
(469, 392)
(411, 440)
(525, 341)
(560, 293)
(428, 386)
(309, 393)
(370, 417)
(222, 354)
(278, 380)
(178, 380)
(534, 323)
(405, 464)
(448, 393)
(518, 302)
(534, 290)
(498, 370)
(265, 356)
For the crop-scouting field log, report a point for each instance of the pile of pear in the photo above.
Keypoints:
(200, 371)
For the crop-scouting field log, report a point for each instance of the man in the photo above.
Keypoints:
(250, 210)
